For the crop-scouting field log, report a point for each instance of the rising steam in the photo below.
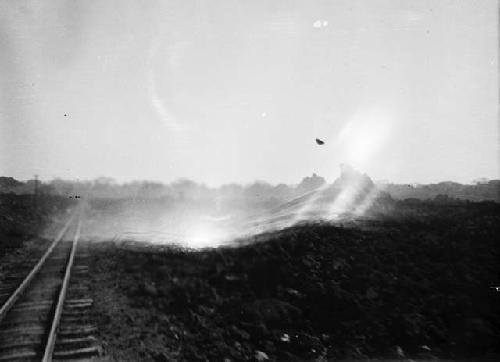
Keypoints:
(198, 217)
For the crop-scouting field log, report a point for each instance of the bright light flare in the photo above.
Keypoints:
(363, 136)
(205, 236)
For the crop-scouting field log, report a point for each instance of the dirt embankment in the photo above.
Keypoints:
(24, 216)
(414, 288)
(27, 226)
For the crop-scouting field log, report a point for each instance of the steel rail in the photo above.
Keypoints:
(22, 287)
(51, 340)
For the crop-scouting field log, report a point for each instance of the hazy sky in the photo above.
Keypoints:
(234, 91)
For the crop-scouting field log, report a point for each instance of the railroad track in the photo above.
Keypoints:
(46, 317)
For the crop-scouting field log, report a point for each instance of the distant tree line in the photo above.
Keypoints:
(254, 193)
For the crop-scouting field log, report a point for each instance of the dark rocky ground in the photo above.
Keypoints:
(413, 286)
(384, 287)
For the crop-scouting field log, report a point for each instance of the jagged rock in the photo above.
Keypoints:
(261, 356)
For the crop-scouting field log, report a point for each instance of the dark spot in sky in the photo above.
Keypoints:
(65, 115)
(319, 142)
